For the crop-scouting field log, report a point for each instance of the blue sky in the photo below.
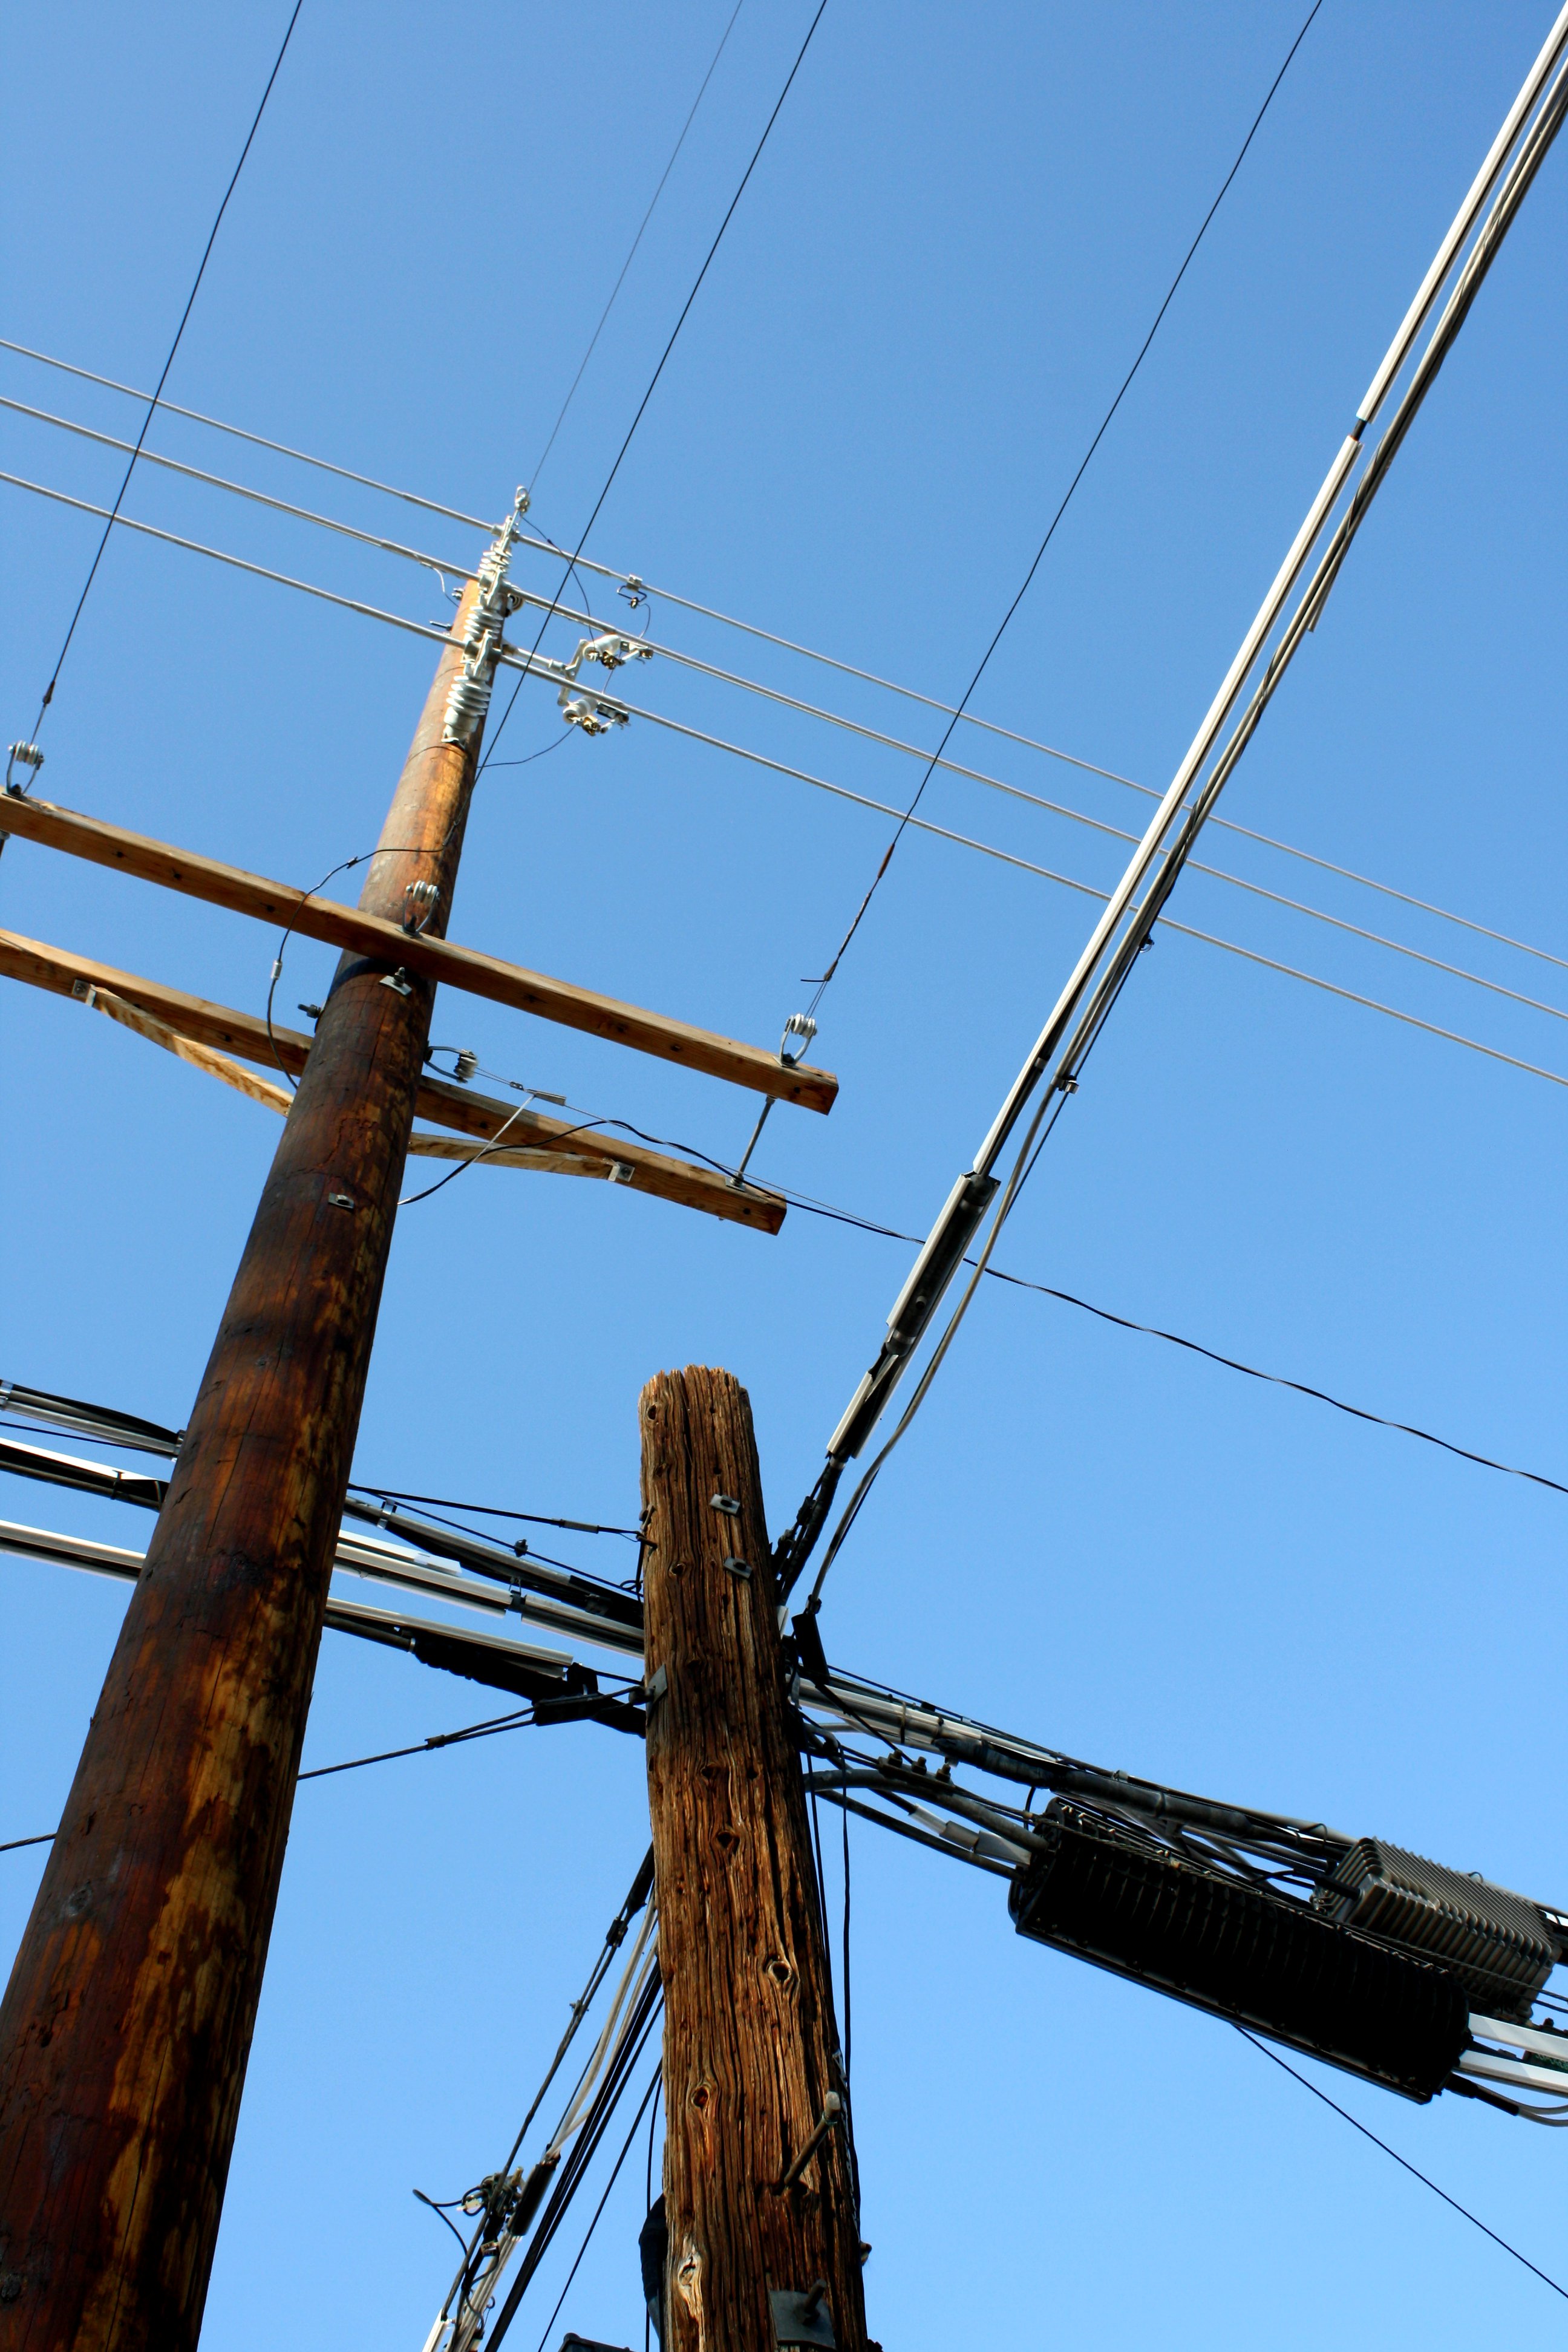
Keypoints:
(945, 262)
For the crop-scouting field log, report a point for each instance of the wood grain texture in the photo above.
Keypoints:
(65, 973)
(749, 2042)
(126, 2026)
(377, 933)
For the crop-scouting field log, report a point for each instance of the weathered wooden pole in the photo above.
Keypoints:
(750, 2075)
(127, 2023)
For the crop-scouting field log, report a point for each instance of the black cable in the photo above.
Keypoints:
(168, 364)
(632, 254)
(483, 1510)
(848, 2019)
(1393, 2152)
(524, 1720)
(652, 2128)
(444, 2217)
(598, 2208)
(398, 849)
(664, 355)
(1055, 518)
(1152, 1331)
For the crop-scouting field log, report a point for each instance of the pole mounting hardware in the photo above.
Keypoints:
(420, 901)
(727, 1504)
(26, 755)
(470, 698)
(802, 2318)
(830, 2119)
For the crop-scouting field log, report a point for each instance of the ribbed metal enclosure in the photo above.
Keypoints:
(1499, 1944)
(1258, 1959)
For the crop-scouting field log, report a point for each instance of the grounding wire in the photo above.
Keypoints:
(168, 364)
(642, 227)
(669, 346)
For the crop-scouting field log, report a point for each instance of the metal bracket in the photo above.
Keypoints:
(727, 1504)
(621, 1171)
(657, 1686)
(740, 1568)
(398, 982)
(802, 2318)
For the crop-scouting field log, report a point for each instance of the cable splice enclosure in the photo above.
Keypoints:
(1243, 1953)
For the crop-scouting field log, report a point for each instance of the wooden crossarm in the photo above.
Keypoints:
(446, 1105)
(435, 959)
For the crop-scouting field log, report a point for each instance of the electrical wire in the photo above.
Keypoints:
(258, 440)
(544, 545)
(243, 490)
(398, 849)
(168, 364)
(1425, 2182)
(1174, 1338)
(615, 2175)
(1023, 591)
(523, 1719)
(642, 227)
(1055, 808)
(487, 1510)
(669, 346)
(1087, 891)
(907, 819)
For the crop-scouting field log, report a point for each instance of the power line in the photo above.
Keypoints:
(1194, 1346)
(1088, 890)
(242, 490)
(1357, 2124)
(669, 346)
(791, 645)
(168, 364)
(522, 1720)
(642, 225)
(1067, 500)
(258, 440)
(905, 817)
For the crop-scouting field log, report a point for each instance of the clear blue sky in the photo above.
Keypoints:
(944, 264)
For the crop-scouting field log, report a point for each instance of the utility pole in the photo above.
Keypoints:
(127, 2023)
(764, 2234)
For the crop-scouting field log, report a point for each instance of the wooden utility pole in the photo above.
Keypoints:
(764, 2247)
(127, 2023)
